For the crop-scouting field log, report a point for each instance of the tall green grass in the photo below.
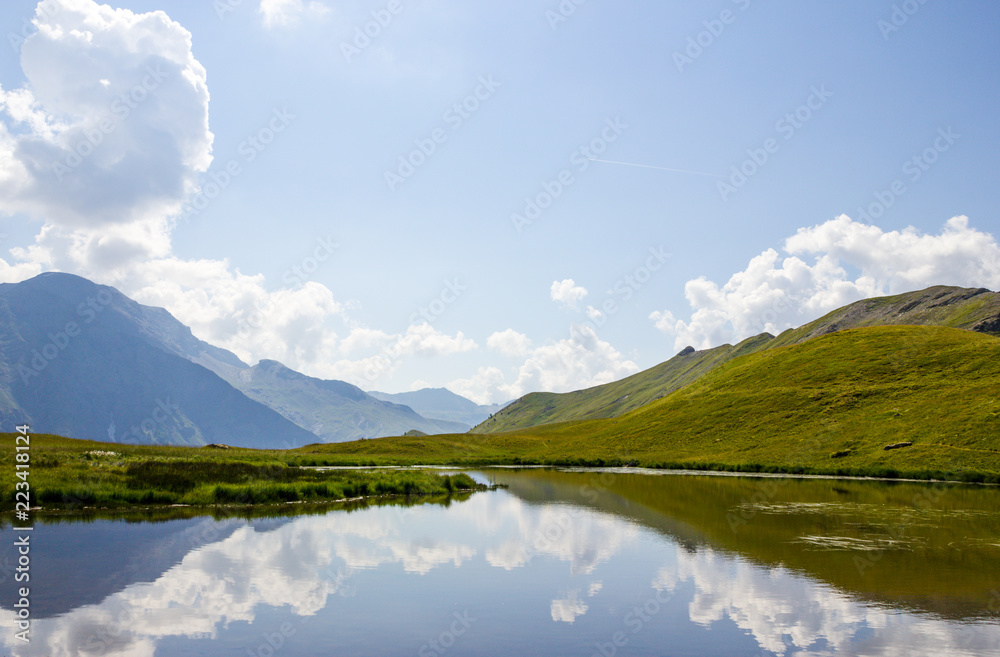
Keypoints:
(67, 474)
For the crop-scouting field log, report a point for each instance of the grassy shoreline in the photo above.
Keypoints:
(881, 473)
(67, 475)
(886, 402)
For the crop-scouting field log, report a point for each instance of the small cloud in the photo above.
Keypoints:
(567, 293)
(581, 361)
(510, 343)
(285, 13)
(664, 321)
(567, 609)
(594, 313)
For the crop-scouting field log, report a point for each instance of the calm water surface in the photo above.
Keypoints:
(560, 563)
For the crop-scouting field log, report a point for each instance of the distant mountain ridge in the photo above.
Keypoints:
(83, 360)
(442, 404)
(335, 411)
(974, 309)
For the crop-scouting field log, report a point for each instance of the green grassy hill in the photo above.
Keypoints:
(619, 397)
(972, 309)
(828, 405)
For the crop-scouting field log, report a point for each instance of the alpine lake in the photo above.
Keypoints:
(611, 563)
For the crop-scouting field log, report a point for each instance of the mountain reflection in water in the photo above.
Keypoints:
(563, 563)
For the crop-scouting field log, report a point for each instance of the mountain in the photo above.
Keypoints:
(973, 309)
(83, 360)
(920, 401)
(442, 404)
(333, 410)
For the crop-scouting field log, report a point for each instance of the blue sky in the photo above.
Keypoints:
(866, 133)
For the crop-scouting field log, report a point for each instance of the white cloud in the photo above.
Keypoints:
(425, 340)
(580, 361)
(510, 343)
(567, 609)
(104, 144)
(99, 81)
(567, 293)
(488, 385)
(777, 292)
(284, 13)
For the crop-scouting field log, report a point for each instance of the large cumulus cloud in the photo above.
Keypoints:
(827, 266)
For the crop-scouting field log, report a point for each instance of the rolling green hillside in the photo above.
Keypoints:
(972, 309)
(619, 397)
(828, 405)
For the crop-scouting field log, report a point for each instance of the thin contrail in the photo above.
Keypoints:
(647, 166)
